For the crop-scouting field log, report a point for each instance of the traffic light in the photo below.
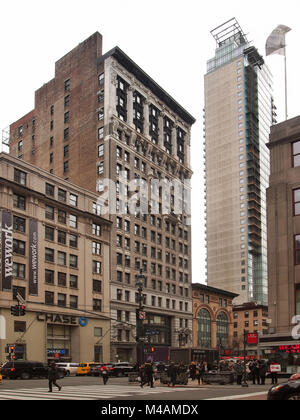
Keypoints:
(22, 310)
(14, 310)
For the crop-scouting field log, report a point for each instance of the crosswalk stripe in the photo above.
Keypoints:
(92, 392)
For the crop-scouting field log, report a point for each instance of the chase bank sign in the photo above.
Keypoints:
(62, 319)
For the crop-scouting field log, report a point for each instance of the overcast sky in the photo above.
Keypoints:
(169, 39)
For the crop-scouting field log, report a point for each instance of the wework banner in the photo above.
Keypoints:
(33, 257)
(6, 250)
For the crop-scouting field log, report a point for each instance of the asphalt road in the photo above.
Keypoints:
(193, 392)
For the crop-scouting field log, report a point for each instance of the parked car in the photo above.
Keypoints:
(121, 369)
(70, 368)
(26, 370)
(287, 391)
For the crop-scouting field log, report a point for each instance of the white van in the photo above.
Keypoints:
(70, 368)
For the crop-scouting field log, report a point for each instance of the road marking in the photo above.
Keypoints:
(88, 392)
(238, 397)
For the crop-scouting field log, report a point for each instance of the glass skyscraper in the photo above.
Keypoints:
(239, 110)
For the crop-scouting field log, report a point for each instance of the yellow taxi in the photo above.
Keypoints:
(85, 368)
(0, 378)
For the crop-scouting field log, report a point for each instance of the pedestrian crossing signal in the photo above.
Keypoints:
(22, 310)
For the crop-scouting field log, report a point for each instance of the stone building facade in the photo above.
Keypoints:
(103, 118)
(55, 259)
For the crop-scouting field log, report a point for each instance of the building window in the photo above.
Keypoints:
(73, 221)
(49, 233)
(61, 258)
(297, 249)
(96, 229)
(96, 267)
(222, 330)
(73, 301)
(296, 202)
(101, 114)
(73, 282)
(296, 154)
(62, 195)
(100, 150)
(101, 79)
(61, 299)
(96, 248)
(97, 286)
(50, 190)
(97, 305)
(19, 270)
(19, 202)
(49, 212)
(49, 276)
(73, 240)
(73, 200)
(297, 294)
(67, 85)
(20, 177)
(67, 101)
(19, 247)
(19, 224)
(49, 298)
(122, 99)
(204, 329)
(62, 279)
(73, 261)
(49, 255)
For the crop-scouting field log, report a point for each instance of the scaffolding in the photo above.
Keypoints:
(229, 31)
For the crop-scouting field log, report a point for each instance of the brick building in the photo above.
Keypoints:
(212, 321)
(102, 117)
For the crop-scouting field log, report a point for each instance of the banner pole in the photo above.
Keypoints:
(286, 93)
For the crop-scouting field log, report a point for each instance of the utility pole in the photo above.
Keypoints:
(245, 383)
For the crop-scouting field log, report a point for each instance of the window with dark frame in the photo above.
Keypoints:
(297, 249)
(122, 99)
(153, 123)
(138, 111)
(296, 154)
(19, 201)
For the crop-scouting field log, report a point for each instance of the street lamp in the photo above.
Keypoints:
(140, 315)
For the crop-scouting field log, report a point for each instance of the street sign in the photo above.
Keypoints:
(252, 338)
(152, 332)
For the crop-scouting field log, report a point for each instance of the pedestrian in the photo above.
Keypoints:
(200, 369)
(239, 371)
(192, 369)
(142, 375)
(262, 372)
(256, 376)
(172, 374)
(274, 372)
(104, 374)
(148, 374)
(53, 376)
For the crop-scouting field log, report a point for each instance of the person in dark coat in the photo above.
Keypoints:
(192, 369)
(239, 371)
(53, 376)
(172, 373)
(148, 372)
(262, 372)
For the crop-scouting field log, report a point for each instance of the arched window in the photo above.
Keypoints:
(222, 330)
(204, 329)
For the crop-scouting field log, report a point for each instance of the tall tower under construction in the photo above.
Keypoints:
(239, 110)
